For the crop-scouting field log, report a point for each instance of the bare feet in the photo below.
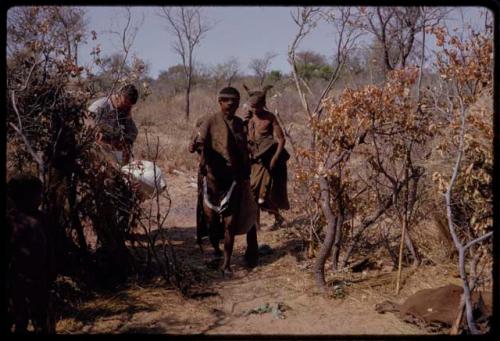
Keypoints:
(279, 221)
(218, 254)
(227, 273)
(251, 261)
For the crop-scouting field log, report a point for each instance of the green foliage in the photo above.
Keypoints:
(312, 65)
(274, 77)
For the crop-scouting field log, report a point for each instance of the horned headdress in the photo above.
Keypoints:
(257, 97)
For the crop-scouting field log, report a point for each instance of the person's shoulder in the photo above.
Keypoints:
(212, 117)
(99, 104)
(238, 119)
(270, 114)
(239, 123)
(202, 119)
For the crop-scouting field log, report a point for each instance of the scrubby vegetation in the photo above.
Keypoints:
(391, 146)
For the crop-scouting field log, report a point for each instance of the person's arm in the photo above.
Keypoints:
(194, 144)
(246, 159)
(130, 133)
(204, 135)
(202, 143)
(280, 137)
(93, 119)
(244, 168)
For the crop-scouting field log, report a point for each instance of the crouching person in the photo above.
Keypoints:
(31, 263)
(116, 131)
(115, 134)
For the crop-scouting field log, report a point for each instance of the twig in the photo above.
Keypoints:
(400, 260)
(19, 131)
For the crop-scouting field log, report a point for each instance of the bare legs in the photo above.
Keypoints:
(228, 252)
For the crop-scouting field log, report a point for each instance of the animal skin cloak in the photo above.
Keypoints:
(271, 185)
(224, 162)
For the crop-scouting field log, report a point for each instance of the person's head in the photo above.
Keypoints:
(229, 100)
(257, 99)
(126, 97)
(25, 191)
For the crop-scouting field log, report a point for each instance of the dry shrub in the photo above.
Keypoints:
(432, 241)
(48, 94)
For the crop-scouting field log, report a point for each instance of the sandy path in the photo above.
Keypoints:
(283, 277)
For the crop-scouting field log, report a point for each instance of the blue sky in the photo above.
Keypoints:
(240, 31)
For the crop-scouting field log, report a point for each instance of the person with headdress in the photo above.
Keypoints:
(268, 155)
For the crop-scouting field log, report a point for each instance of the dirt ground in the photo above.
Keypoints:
(237, 305)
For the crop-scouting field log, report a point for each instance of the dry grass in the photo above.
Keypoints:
(112, 311)
(164, 121)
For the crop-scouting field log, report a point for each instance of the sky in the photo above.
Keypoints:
(240, 31)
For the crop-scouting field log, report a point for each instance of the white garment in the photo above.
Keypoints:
(148, 175)
(118, 154)
(102, 104)
(106, 115)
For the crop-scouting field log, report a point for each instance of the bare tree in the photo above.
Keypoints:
(306, 19)
(461, 247)
(260, 66)
(126, 38)
(347, 34)
(189, 28)
(225, 73)
(466, 105)
(396, 29)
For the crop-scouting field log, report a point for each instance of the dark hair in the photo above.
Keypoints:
(229, 92)
(129, 91)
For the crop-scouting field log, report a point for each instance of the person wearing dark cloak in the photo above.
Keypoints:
(228, 205)
(268, 156)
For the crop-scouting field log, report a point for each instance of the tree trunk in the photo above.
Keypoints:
(421, 66)
(400, 260)
(412, 248)
(336, 247)
(460, 248)
(467, 293)
(319, 266)
(384, 239)
(76, 223)
(332, 224)
(188, 93)
(455, 328)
